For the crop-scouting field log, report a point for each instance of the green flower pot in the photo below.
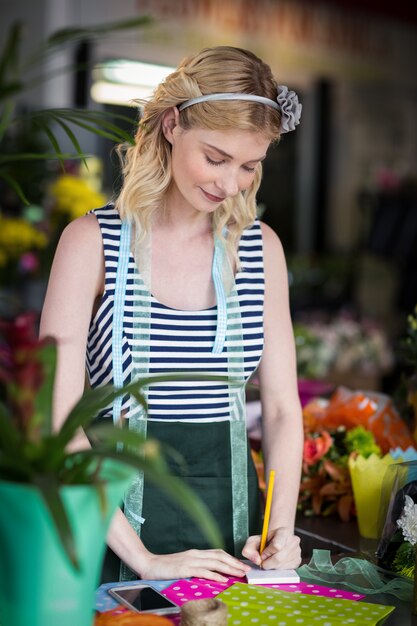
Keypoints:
(38, 584)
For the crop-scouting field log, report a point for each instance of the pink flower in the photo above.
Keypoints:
(29, 263)
(316, 447)
(21, 367)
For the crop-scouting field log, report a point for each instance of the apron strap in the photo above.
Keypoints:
(119, 300)
(238, 434)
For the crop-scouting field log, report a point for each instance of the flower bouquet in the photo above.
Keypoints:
(326, 486)
(341, 350)
(352, 430)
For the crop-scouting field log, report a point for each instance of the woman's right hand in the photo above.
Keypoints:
(211, 564)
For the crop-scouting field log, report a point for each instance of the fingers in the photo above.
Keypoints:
(211, 564)
(282, 551)
(251, 549)
(218, 561)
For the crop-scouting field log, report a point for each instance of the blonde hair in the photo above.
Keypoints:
(146, 165)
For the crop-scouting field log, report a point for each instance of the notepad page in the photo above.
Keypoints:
(258, 576)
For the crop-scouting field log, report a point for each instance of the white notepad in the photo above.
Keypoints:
(258, 576)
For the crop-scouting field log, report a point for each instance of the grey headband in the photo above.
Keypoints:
(287, 103)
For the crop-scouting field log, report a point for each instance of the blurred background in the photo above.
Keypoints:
(341, 191)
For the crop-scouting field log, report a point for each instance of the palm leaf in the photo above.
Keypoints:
(12, 182)
(71, 35)
(72, 138)
(102, 118)
(94, 400)
(11, 88)
(34, 156)
(97, 122)
(9, 57)
(6, 117)
(49, 488)
(43, 122)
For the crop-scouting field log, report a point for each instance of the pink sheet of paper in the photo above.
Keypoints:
(200, 588)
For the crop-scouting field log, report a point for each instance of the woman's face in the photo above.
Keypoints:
(209, 166)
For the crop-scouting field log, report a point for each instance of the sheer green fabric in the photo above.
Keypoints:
(357, 574)
(133, 501)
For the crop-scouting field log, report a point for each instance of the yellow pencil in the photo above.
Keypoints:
(267, 510)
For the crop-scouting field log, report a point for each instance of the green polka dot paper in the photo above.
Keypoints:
(250, 605)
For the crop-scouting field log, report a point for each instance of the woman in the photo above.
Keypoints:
(178, 275)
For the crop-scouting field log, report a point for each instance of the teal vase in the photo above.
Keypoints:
(38, 584)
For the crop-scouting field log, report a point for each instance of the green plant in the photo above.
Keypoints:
(32, 453)
(15, 80)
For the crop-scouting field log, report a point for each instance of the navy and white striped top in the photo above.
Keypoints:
(177, 341)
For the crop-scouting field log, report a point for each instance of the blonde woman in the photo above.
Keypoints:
(178, 275)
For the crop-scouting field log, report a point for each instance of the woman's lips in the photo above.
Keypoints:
(212, 198)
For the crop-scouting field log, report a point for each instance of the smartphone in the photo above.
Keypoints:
(143, 599)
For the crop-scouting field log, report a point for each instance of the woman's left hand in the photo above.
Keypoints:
(282, 550)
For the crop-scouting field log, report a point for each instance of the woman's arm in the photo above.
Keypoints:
(282, 427)
(76, 281)
(75, 286)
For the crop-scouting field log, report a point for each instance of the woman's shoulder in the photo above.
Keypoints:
(268, 234)
(82, 236)
(80, 254)
(272, 246)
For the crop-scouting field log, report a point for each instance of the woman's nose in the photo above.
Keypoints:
(229, 184)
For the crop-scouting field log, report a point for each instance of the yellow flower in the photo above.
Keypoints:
(18, 236)
(74, 197)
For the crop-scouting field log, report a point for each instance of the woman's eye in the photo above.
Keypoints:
(211, 162)
(249, 169)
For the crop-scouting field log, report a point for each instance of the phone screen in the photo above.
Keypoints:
(143, 598)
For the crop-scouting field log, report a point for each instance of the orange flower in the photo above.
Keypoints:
(316, 447)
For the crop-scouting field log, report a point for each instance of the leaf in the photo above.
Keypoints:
(174, 487)
(74, 34)
(344, 507)
(10, 437)
(49, 488)
(94, 400)
(13, 465)
(335, 472)
(317, 501)
(72, 138)
(96, 122)
(9, 89)
(43, 401)
(334, 489)
(34, 156)
(71, 34)
(6, 118)
(311, 484)
(9, 57)
(12, 182)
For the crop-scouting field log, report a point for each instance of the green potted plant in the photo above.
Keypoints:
(56, 505)
(17, 76)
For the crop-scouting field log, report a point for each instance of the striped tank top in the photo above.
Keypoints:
(177, 341)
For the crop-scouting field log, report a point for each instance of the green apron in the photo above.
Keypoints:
(217, 460)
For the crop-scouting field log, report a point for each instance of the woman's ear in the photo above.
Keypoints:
(170, 120)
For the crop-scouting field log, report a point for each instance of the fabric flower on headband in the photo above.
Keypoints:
(290, 108)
